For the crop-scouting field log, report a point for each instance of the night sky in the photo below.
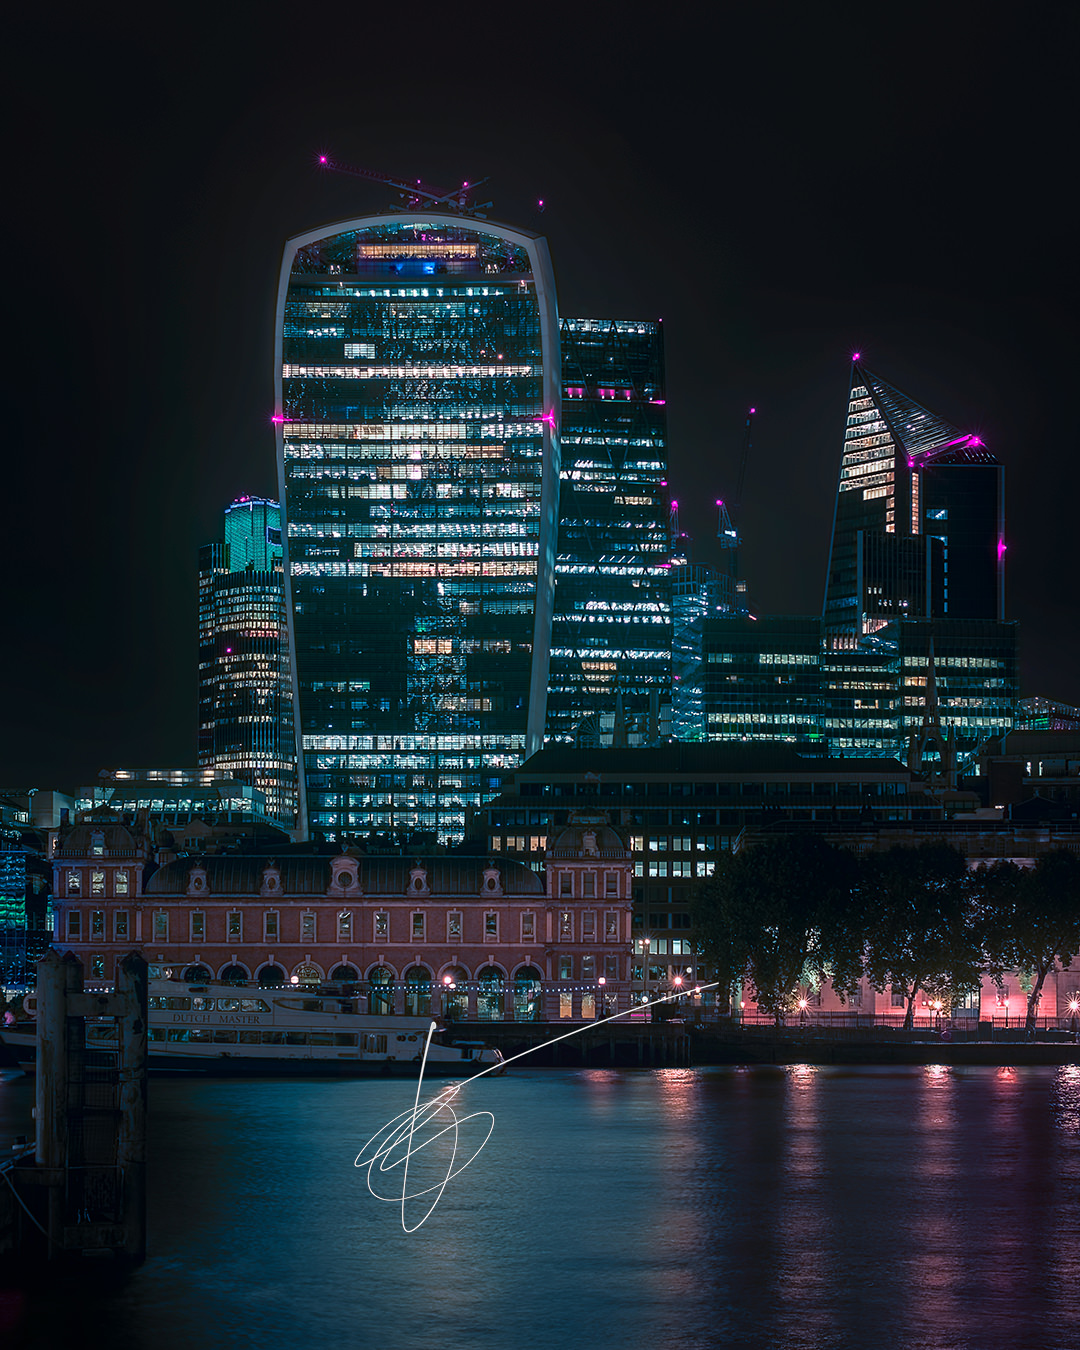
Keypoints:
(780, 183)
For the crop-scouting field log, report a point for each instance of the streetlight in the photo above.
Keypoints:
(646, 943)
(803, 1005)
(1074, 1007)
(936, 1005)
(601, 1000)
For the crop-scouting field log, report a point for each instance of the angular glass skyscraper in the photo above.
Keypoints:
(418, 450)
(611, 635)
(919, 526)
(245, 703)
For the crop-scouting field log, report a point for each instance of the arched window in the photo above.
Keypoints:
(235, 975)
(489, 1001)
(308, 975)
(417, 992)
(527, 993)
(271, 977)
(346, 974)
(196, 975)
(380, 991)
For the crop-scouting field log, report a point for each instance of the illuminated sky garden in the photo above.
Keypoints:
(919, 524)
(245, 709)
(611, 634)
(418, 413)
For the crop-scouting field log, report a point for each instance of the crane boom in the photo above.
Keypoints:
(416, 193)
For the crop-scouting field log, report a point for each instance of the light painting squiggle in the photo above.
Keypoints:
(408, 1134)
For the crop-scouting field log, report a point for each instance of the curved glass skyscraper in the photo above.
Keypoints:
(418, 451)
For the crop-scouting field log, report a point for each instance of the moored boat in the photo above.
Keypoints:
(230, 1030)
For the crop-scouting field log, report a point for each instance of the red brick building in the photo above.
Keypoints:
(455, 936)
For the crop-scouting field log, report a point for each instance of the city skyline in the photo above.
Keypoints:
(758, 256)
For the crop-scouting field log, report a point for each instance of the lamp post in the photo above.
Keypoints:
(646, 943)
(936, 1005)
(803, 1005)
(601, 997)
(1074, 1008)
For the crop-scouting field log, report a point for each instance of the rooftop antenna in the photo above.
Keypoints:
(416, 196)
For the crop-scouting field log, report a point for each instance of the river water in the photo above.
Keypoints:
(772, 1209)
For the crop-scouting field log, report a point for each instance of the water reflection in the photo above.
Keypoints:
(793, 1208)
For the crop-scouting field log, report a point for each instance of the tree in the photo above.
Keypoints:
(780, 914)
(923, 922)
(1032, 919)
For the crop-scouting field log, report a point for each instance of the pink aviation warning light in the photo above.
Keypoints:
(1002, 546)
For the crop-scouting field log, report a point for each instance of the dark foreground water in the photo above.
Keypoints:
(831, 1209)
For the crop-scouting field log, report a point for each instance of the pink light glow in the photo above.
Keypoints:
(322, 159)
(1002, 546)
(663, 482)
(277, 417)
(976, 440)
(856, 355)
(549, 418)
(719, 502)
(674, 506)
(659, 401)
(752, 411)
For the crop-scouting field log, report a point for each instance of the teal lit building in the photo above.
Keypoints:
(418, 409)
(245, 699)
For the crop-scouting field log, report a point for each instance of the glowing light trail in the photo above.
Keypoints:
(393, 1145)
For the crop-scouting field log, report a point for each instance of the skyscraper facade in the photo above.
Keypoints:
(245, 700)
(418, 450)
(612, 626)
(918, 530)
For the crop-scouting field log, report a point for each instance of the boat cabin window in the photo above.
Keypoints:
(203, 1004)
(171, 1003)
(374, 1044)
(254, 1005)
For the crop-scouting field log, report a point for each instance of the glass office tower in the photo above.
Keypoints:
(245, 696)
(918, 531)
(418, 452)
(611, 634)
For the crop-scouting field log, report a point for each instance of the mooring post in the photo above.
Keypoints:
(131, 984)
(58, 977)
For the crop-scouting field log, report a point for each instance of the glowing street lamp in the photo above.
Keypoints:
(646, 943)
(803, 1005)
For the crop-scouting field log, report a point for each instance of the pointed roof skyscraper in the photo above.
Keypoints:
(918, 530)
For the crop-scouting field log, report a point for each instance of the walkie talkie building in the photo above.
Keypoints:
(418, 450)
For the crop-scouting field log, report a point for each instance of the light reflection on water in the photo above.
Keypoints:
(778, 1209)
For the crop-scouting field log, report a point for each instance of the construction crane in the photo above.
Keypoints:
(727, 529)
(415, 195)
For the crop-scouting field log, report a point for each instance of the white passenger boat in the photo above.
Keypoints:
(228, 1030)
